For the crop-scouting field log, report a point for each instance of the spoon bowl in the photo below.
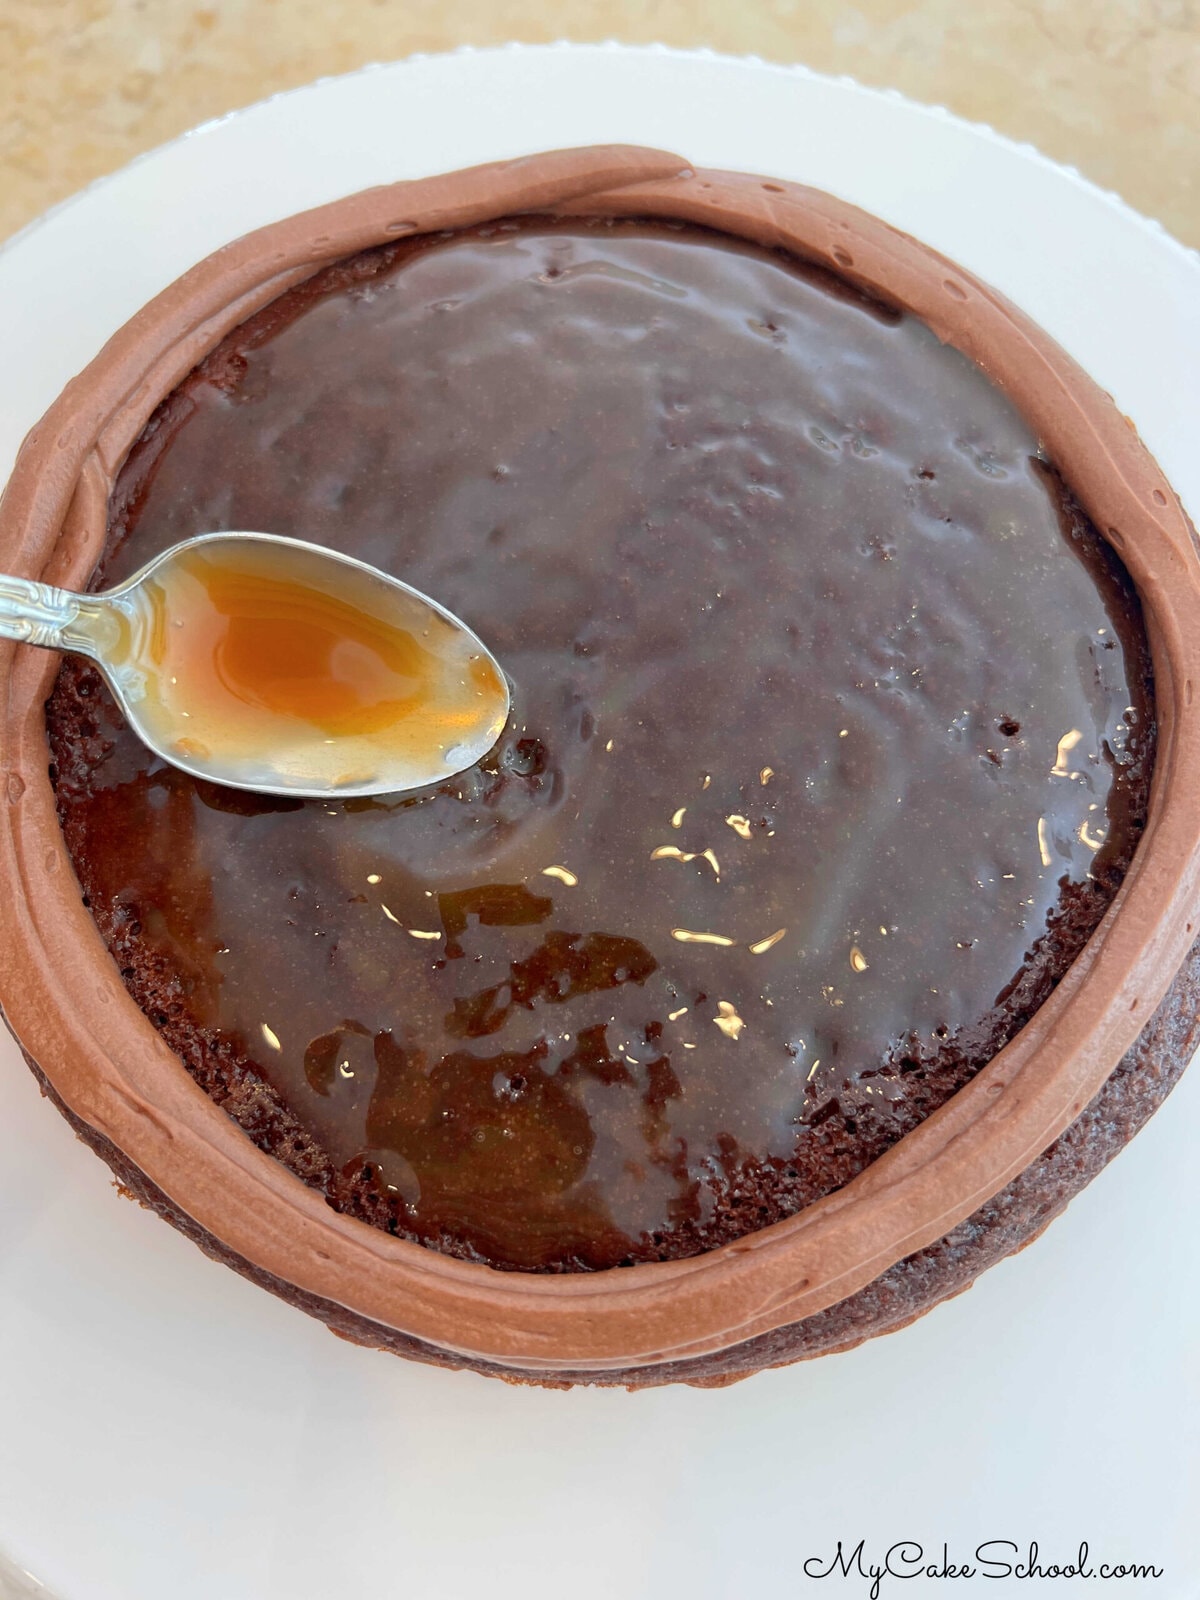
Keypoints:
(267, 663)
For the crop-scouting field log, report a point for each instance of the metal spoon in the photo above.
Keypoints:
(269, 685)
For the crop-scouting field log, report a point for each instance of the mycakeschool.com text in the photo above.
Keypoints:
(874, 1572)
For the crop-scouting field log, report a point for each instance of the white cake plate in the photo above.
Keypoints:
(168, 1432)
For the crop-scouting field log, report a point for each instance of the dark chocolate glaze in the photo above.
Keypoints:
(777, 577)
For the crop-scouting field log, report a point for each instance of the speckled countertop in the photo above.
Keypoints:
(1111, 86)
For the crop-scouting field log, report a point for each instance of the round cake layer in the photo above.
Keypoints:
(831, 741)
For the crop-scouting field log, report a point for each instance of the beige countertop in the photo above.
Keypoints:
(1111, 86)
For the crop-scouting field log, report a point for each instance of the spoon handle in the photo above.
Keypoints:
(38, 613)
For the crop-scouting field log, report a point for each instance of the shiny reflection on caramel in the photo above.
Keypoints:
(256, 659)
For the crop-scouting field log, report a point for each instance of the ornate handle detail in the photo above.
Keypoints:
(56, 619)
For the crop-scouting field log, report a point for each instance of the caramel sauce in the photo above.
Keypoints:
(830, 732)
(266, 658)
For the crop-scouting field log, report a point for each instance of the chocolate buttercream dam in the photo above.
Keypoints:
(820, 923)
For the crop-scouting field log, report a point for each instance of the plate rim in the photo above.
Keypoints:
(610, 46)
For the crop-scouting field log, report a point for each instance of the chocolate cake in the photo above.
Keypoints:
(831, 741)
(833, 729)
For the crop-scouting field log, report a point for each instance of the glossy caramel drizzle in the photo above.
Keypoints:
(829, 715)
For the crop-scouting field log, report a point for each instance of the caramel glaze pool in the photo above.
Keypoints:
(831, 741)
